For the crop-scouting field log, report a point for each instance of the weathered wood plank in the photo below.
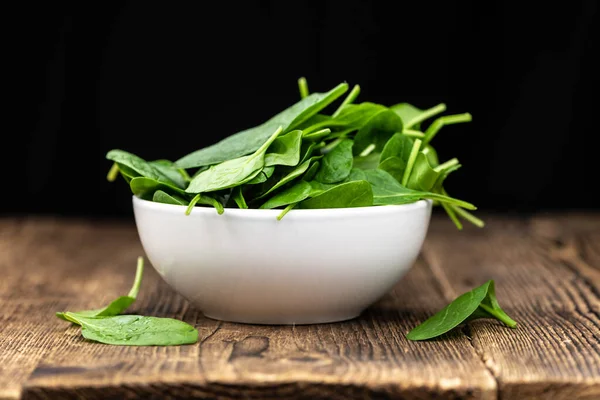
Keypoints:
(50, 265)
(555, 352)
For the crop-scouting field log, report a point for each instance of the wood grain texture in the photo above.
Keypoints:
(545, 286)
(544, 271)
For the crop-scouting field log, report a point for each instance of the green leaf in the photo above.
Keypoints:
(132, 166)
(144, 187)
(480, 302)
(310, 173)
(135, 330)
(162, 197)
(378, 130)
(285, 150)
(265, 174)
(231, 173)
(397, 146)
(336, 164)
(388, 191)
(290, 176)
(356, 175)
(294, 194)
(412, 116)
(168, 169)
(249, 140)
(422, 176)
(395, 166)
(117, 306)
(370, 161)
(344, 195)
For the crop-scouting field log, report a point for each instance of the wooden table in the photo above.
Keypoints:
(547, 273)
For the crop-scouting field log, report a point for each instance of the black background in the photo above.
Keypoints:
(163, 79)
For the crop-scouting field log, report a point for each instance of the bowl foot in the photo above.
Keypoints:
(283, 320)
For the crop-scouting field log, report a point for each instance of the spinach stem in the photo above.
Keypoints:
(450, 211)
(425, 115)
(192, 204)
(499, 314)
(303, 87)
(368, 150)
(185, 175)
(468, 216)
(448, 164)
(113, 172)
(348, 100)
(413, 133)
(138, 277)
(411, 161)
(318, 133)
(286, 210)
(436, 125)
(330, 146)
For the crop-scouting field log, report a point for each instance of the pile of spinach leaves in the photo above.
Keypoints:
(360, 155)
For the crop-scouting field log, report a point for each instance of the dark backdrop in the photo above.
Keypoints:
(162, 79)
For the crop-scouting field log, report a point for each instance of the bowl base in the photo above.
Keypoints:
(304, 320)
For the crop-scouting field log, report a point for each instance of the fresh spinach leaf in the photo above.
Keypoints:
(249, 140)
(264, 175)
(168, 169)
(310, 173)
(480, 302)
(135, 330)
(395, 166)
(133, 164)
(231, 173)
(285, 150)
(290, 176)
(118, 305)
(422, 176)
(412, 116)
(377, 130)
(370, 161)
(336, 164)
(163, 197)
(388, 191)
(302, 190)
(145, 187)
(398, 145)
(345, 195)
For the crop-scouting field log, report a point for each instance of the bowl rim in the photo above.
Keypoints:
(269, 213)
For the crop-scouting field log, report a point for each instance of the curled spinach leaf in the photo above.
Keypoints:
(480, 302)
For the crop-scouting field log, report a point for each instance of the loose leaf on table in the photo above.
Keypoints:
(480, 302)
(336, 164)
(349, 194)
(377, 131)
(388, 191)
(232, 173)
(165, 198)
(119, 305)
(285, 150)
(249, 140)
(135, 330)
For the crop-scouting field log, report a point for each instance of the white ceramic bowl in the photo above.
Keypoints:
(313, 266)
